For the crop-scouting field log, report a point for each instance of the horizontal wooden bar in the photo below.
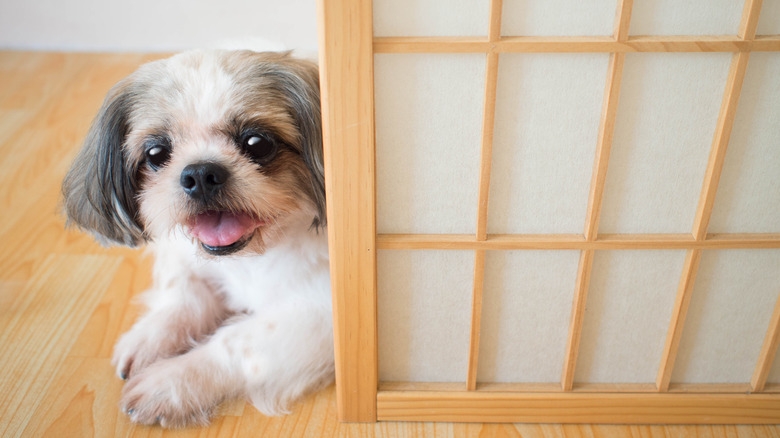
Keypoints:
(422, 386)
(766, 43)
(432, 45)
(577, 241)
(709, 388)
(575, 407)
(555, 387)
(575, 44)
(771, 388)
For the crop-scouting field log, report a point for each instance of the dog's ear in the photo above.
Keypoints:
(100, 189)
(301, 82)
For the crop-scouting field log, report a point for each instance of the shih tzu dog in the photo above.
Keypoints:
(214, 159)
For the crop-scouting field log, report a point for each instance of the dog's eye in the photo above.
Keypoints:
(157, 156)
(260, 147)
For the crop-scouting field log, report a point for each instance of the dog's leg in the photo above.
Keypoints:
(272, 358)
(181, 311)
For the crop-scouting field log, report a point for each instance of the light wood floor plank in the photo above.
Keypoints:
(37, 335)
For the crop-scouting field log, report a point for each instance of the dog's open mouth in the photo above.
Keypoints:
(222, 232)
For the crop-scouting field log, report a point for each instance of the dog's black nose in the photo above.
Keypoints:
(203, 180)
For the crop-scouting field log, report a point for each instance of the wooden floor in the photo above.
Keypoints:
(64, 300)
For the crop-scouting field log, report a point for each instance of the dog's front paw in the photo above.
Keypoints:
(171, 393)
(146, 343)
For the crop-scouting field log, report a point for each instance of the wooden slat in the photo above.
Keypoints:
(486, 157)
(572, 407)
(577, 318)
(709, 388)
(768, 352)
(604, 145)
(677, 322)
(486, 154)
(488, 118)
(709, 190)
(576, 44)
(623, 19)
(476, 319)
(432, 45)
(346, 75)
(576, 241)
(749, 23)
(728, 112)
(773, 388)
(604, 388)
(598, 179)
(494, 27)
(767, 43)
(684, 43)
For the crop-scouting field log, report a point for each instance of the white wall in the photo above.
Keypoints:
(153, 25)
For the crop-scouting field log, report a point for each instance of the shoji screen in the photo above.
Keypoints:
(554, 211)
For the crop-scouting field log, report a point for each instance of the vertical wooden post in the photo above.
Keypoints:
(346, 75)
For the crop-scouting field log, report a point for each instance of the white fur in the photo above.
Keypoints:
(277, 347)
(256, 323)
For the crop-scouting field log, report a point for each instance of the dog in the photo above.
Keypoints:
(213, 159)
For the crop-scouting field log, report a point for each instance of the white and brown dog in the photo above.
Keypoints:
(214, 158)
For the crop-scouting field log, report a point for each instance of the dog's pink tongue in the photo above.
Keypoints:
(221, 228)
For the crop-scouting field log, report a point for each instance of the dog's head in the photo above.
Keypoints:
(224, 145)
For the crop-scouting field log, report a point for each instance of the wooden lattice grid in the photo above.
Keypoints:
(347, 49)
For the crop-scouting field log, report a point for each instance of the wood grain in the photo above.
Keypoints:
(569, 407)
(577, 241)
(577, 317)
(575, 44)
(768, 352)
(604, 144)
(347, 78)
(677, 322)
(726, 116)
(476, 319)
(728, 111)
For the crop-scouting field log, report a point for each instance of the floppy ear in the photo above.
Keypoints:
(301, 84)
(100, 188)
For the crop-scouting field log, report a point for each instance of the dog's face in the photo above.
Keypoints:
(225, 145)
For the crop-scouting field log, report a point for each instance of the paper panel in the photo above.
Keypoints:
(668, 109)
(526, 307)
(557, 17)
(733, 299)
(686, 17)
(629, 306)
(748, 198)
(430, 18)
(548, 108)
(424, 314)
(428, 135)
(769, 20)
